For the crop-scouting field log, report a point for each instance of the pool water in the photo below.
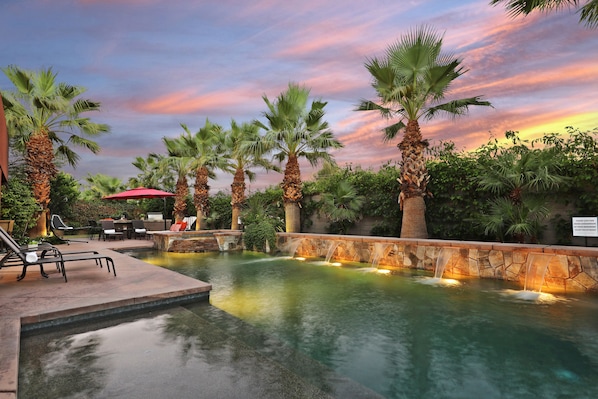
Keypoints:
(337, 326)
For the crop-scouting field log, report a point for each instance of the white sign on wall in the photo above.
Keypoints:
(585, 226)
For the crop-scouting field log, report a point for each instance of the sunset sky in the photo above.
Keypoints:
(154, 64)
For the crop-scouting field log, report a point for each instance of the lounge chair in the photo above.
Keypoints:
(59, 228)
(139, 229)
(109, 230)
(25, 257)
(190, 220)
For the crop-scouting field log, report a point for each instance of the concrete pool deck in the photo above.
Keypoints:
(89, 291)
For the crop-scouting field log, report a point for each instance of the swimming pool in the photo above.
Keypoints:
(388, 333)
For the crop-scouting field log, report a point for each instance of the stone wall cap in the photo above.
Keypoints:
(572, 251)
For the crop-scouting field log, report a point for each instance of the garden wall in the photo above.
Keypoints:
(569, 269)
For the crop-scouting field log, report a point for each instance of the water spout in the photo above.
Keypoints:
(443, 259)
(292, 246)
(377, 253)
(331, 250)
(536, 267)
(535, 271)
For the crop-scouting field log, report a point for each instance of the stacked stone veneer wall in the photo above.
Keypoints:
(198, 241)
(570, 269)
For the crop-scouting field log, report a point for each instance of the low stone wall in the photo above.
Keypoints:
(567, 269)
(198, 241)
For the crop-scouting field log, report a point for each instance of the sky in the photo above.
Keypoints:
(155, 64)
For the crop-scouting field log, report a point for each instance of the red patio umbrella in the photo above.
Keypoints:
(140, 193)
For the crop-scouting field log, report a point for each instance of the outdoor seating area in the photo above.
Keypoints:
(41, 254)
(120, 229)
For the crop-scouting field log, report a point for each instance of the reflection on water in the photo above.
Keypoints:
(390, 333)
(173, 354)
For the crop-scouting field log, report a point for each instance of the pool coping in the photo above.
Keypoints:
(91, 292)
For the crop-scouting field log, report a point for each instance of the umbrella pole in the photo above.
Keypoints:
(164, 213)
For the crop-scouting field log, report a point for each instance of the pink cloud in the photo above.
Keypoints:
(189, 101)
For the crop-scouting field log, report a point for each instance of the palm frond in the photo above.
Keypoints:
(456, 107)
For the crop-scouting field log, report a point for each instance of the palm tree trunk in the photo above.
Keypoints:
(236, 215)
(40, 170)
(414, 218)
(180, 199)
(414, 181)
(292, 195)
(292, 215)
(201, 197)
(237, 197)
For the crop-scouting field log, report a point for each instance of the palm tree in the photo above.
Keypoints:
(411, 81)
(241, 160)
(294, 131)
(100, 185)
(588, 13)
(205, 146)
(182, 165)
(150, 173)
(522, 178)
(342, 205)
(39, 113)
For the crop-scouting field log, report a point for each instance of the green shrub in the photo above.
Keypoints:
(257, 234)
(18, 204)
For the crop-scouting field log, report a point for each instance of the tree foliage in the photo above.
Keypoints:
(588, 12)
(18, 203)
(64, 193)
(412, 82)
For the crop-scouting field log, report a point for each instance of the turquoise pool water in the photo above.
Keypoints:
(389, 333)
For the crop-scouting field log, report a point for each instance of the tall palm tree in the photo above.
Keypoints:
(205, 146)
(411, 82)
(588, 13)
(182, 165)
(242, 159)
(294, 131)
(40, 113)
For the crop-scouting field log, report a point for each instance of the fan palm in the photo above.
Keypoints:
(522, 178)
(342, 205)
(40, 113)
(411, 82)
(242, 159)
(100, 185)
(205, 146)
(182, 165)
(150, 173)
(588, 13)
(292, 132)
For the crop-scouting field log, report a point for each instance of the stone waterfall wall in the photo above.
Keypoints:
(570, 269)
(198, 241)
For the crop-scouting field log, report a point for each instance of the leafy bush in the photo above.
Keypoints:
(456, 195)
(220, 211)
(64, 193)
(379, 190)
(18, 204)
(257, 234)
(265, 205)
